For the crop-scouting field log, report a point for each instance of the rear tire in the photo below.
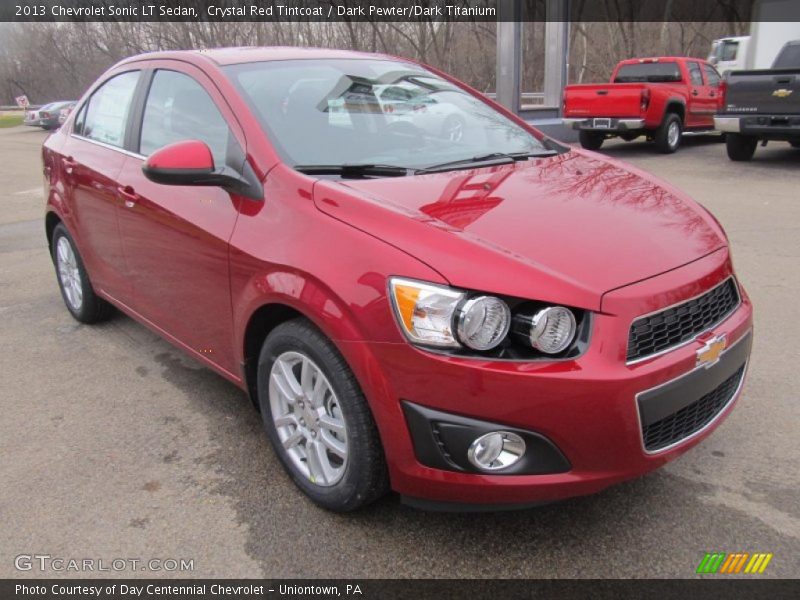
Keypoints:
(73, 280)
(317, 419)
(740, 147)
(795, 143)
(591, 140)
(669, 133)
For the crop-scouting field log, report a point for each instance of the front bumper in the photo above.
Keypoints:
(612, 125)
(762, 126)
(586, 408)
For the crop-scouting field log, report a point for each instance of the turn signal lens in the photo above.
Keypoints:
(425, 311)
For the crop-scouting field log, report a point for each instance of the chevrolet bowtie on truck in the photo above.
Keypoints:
(763, 105)
(659, 98)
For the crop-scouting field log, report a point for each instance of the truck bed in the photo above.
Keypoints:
(603, 100)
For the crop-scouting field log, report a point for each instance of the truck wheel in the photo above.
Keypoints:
(318, 419)
(591, 140)
(740, 147)
(795, 143)
(668, 135)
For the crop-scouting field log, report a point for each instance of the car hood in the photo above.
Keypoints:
(566, 228)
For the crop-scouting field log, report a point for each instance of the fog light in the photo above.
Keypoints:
(496, 450)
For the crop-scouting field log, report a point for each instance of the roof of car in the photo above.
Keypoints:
(230, 56)
(657, 59)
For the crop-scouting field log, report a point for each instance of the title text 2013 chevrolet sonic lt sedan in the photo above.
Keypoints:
(417, 289)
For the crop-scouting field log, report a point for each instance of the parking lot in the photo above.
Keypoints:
(114, 444)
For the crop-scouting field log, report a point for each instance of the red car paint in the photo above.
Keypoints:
(648, 101)
(200, 266)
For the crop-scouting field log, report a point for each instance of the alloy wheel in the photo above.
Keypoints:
(69, 274)
(308, 418)
(673, 134)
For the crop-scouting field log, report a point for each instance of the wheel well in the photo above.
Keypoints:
(50, 222)
(677, 108)
(261, 323)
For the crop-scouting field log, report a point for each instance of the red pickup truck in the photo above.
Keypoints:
(656, 97)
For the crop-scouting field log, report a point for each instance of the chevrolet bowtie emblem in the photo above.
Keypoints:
(782, 93)
(709, 354)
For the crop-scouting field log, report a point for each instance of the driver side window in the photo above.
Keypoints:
(177, 109)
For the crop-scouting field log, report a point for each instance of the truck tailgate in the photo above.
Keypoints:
(603, 100)
(768, 92)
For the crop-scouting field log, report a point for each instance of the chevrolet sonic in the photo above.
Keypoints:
(418, 290)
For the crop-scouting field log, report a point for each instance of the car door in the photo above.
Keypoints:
(91, 158)
(176, 238)
(700, 109)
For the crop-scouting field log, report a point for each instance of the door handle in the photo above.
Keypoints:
(69, 165)
(128, 195)
(694, 92)
(713, 95)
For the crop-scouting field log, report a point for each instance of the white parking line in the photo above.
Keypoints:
(37, 191)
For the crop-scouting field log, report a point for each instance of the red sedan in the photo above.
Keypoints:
(486, 320)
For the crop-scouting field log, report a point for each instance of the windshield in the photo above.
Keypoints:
(648, 72)
(378, 112)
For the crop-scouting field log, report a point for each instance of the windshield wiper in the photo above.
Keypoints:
(493, 158)
(356, 171)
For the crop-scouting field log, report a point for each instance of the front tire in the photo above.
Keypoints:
(740, 147)
(591, 140)
(669, 133)
(318, 420)
(73, 280)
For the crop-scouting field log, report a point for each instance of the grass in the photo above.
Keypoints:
(11, 120)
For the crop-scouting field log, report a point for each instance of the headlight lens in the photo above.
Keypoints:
(425, 311)
(552, 329)
(483, 322)
(438, 316)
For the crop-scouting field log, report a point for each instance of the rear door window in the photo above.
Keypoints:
(788, 58)
(105, 116)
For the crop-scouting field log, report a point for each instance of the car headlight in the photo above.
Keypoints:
(483, 322)
(435, 315)
(549, 330)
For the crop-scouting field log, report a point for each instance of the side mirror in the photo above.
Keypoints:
(191, 163)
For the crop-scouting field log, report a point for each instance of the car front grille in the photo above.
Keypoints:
(692, 418)
(681, 323)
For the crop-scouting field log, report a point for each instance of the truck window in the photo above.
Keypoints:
(712, 77)
(694, 73)
(648, 73)
(728, 50)
(788, 57)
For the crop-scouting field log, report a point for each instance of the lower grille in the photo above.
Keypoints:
(692, 418)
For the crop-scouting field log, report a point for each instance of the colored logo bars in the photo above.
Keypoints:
(738, 562)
